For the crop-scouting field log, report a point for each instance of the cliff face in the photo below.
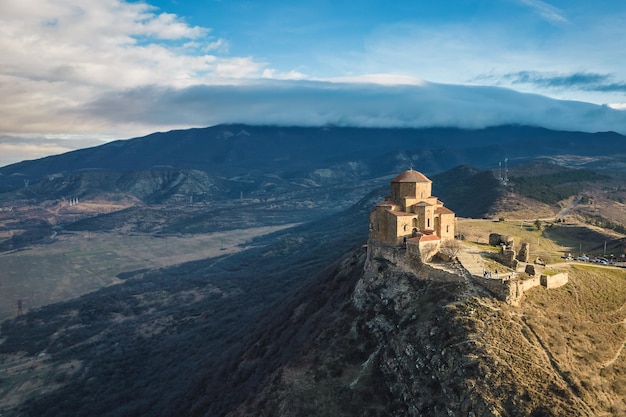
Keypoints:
(401, 343)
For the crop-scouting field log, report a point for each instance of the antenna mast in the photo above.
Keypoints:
(506, 171)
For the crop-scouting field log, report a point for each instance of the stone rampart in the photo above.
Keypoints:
(554, 281)
(510, 291)
(404, 260)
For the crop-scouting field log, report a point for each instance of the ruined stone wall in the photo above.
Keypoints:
(407, 261)
(509, 291)
(524, 253)
(410, 258)
(496, 239)
(423, 251)
(527, 284)
(554, 281)
(507, 257)
(392, 253)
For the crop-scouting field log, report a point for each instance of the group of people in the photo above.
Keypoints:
(487, 274)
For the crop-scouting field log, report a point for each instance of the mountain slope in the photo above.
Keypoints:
(405, 343)
(167, 342)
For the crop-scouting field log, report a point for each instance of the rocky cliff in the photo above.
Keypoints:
(409, 342)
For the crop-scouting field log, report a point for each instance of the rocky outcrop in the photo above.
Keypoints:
(413, 340)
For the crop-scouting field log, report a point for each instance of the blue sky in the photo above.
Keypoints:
(79, 73)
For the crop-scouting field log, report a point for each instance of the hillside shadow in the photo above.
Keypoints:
(577, 238)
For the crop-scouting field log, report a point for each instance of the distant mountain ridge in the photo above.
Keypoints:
(233, 148)
(226, 161)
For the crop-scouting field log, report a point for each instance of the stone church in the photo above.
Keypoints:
(411, 216)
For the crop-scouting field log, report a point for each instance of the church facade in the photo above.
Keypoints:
(411, 215)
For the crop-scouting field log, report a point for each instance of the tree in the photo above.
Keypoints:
(450, 248)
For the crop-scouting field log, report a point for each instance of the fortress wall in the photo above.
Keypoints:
(499, 287)
(403, 260)
(554, 281)
(527, 284)
(509, 291)
(424, 250)
(408, 259)
(392, 253)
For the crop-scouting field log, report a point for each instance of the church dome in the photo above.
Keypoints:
(411, 176)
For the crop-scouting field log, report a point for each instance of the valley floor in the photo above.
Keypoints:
(75, 263)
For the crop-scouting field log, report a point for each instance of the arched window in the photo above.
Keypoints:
(415, 222)
(447, 228)
(405, 226)
(428, 223)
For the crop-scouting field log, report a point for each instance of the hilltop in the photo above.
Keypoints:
(406, 344)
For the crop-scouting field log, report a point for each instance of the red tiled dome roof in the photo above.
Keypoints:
(411, 176)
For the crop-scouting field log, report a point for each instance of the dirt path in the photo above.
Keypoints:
(556, 367)
(617, 354)
(568, 208)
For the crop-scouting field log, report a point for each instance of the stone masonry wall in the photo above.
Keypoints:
(554, 281)
(510, 291)
(397, 255)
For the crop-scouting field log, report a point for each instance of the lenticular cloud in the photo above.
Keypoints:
(307, 103)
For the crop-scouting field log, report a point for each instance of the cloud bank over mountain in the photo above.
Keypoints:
(75, 73)
(309, 103)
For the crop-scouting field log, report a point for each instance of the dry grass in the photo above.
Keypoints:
(569, 342)
(583, 326)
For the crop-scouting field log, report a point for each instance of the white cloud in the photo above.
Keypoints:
(58, 55)
(381, 79)
(547, 11)
(291, 75)
(311, 103)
